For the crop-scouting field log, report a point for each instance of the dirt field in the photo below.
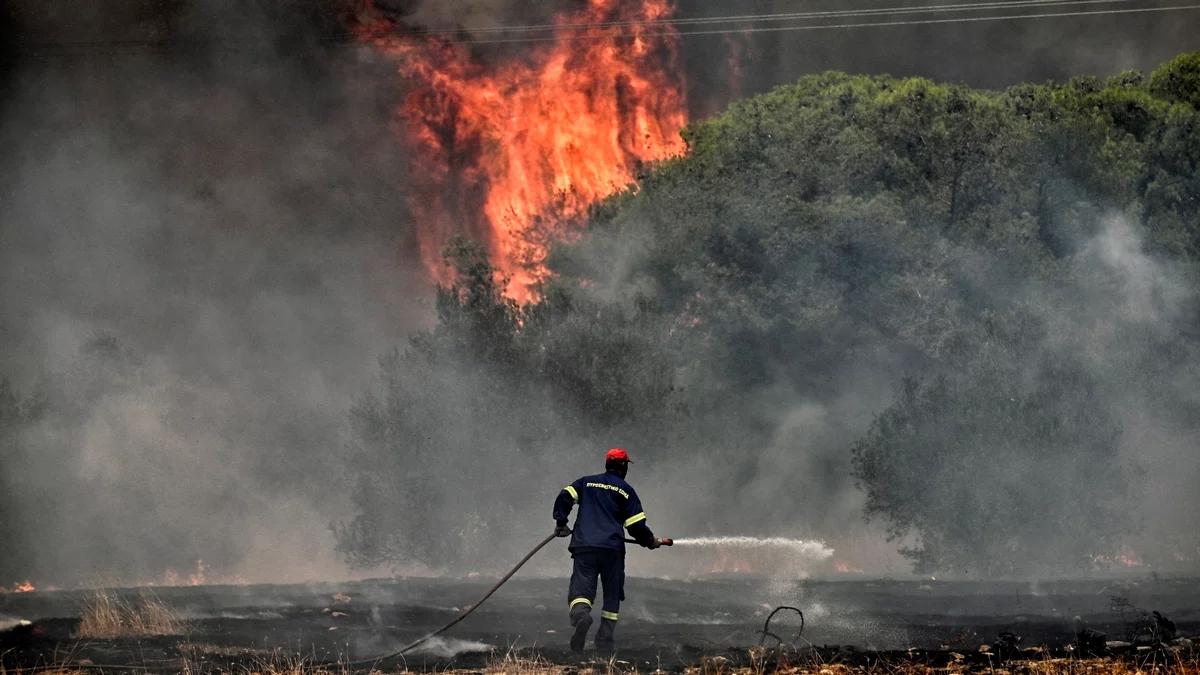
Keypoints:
(667, 625)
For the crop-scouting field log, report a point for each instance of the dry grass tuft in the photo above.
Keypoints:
(202, 650)
(1172, 664)
(107, 615)
(513, 663)
(47, 670)
(279, 663)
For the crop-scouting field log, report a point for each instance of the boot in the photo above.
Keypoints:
(605, 644)
(581, 620)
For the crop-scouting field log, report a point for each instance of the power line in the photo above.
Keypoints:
(672, 21)
(839, 26)
(753, 18)
(118, 47)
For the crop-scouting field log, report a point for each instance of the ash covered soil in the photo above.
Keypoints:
(665, 624)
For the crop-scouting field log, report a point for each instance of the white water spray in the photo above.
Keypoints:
(808, 549)
(778, 559)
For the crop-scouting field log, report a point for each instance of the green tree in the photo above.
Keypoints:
(819, 244)
(1008, 465)
(1178, 80)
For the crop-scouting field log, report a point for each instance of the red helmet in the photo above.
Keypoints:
(617, 455)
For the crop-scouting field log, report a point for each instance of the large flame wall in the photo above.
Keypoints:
(512, 151)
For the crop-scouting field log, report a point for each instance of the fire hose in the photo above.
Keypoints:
(401, 652)
(471, 608)
(462, 615)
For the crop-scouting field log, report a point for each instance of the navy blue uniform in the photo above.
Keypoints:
(607, 506)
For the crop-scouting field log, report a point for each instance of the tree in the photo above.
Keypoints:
(1178, 80)
(1008, 465)
(817, 245)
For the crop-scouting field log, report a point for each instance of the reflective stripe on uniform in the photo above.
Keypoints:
(635, 519)
(571, 491)
(583, 601)
(611, 616)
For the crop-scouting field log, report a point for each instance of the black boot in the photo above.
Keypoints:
(581, 619)
(605, 644)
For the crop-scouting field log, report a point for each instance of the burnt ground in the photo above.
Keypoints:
(665, 624)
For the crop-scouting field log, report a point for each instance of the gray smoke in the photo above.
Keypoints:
(724, 66)
(202, 253)
(204, 247)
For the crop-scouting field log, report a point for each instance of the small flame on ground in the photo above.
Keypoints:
(843, 567)
(1123, 557)
(199, 576)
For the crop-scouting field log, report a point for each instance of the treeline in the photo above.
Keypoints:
(988, 298)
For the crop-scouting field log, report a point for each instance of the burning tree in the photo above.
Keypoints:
(1030, 254)
(480, 405)
(513, 151)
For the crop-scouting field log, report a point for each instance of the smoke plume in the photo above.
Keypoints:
(206, 245)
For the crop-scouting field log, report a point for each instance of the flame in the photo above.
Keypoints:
(513, 151)
(199, 576)
(1123, 557)
(728, 563)
(843, 567)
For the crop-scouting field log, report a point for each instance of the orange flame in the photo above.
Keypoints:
(843, 567)
(200, 576)
(1123, 557)
(513, 152)
(727, 563)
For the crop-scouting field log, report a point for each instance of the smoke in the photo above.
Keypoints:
(989, 55)
(773, 461)
(202, 253)
(448, 647)
(205, 246)
(1139, 335)
(724, 66)
(473, 17)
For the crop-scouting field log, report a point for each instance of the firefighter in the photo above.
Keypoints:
(606, 505)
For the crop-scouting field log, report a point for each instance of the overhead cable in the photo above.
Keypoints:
(835, 26)
(118, 47)
(753, 18)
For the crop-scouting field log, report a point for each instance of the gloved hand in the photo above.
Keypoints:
(654, 543)
(562, 531)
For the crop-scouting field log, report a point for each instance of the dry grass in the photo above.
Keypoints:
(513, 664)
(280, 663)
(201, 650)
(107, 615)
(1172, 664)
(59, 663)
